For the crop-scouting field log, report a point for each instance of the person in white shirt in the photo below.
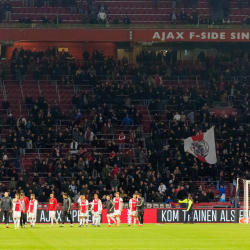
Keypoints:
(83, 210)
(162, 188)
(101, 17)
(72, 186)
(74, 146)
(177, 116)
(96, 209)
(32, 210)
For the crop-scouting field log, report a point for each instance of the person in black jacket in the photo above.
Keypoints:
(140, 208)
(6, 206)
(66, 209)
(22, 146)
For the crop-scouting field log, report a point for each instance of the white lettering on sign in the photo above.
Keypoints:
(232, 215)
(170, 215)
(240, 36)
(179, 35)
(191, 35)
(156, 35)
(222, 216)
(169, 35)
(205, 35)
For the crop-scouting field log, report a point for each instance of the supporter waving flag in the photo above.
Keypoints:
(202, 146)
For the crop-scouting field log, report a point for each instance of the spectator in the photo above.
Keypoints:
(222, 190)
(205, 197)
(127, 121)
(246, 20)
(210, 194)
(74, 146)
(25, 3)
(122, 139)
(126, 20)
(73, 187)
(32, 3)
(22, 146)
(57, 20)
(5, 106)
(168, 200)
(101, 17)
(93, 18)
(86, 8)
(80, 7)
(11, 121)
(13, 184)
(155, 2)
(183, 17)
(174, 4)
(114, 184)
(115, 21)
(72, 6)
(162, 188)
(8, 9)
(89, 135)
(46, 3)
(177, 116)
(45, 20)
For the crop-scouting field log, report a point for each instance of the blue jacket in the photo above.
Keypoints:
(78, 116)
(127, 121)
(222, 190)
(167, 201)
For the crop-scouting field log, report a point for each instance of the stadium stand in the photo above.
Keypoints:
(77, 12)
(97, 124)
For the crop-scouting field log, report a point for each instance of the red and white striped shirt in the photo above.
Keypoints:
(97, 205)
(133, 203)
(33, 206)
(83, 205)
(17, 206)
(118, 202)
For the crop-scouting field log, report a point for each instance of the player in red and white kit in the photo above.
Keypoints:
(52, 206)
(83, 210)
(32, 210)
(97, 209)
(17, 207)
(118, 207)
(132, 209)
(24, 200)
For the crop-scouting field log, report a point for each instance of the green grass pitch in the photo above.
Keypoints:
(150, 236)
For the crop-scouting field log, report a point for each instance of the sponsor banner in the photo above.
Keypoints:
(223, 111)
(191, 35)
(43, 216)
(200, 215)
(151, 215)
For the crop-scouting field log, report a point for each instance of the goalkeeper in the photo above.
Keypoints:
(190, 211)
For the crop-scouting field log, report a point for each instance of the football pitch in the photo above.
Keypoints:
(150, 236)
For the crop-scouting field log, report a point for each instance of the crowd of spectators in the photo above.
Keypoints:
(93, 13)
(50, 62)
(102, 144)
(196, 19)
